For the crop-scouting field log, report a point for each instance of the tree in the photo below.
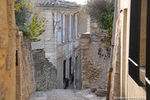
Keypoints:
(102, 11)
(28, 22)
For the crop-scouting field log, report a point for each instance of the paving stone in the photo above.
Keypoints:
(61, 94)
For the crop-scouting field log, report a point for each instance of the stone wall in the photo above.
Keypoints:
(24, 69)
(95, 58)
(45, 72)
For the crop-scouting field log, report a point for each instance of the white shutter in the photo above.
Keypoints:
(63, 28)
(69, 27)
(75, 26)
(58, 29)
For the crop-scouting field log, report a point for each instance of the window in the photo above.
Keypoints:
(75, 26)
(66, 27)
(134, 48)
(69, 28)
(59, 29)
(64, 30)
(72, 26)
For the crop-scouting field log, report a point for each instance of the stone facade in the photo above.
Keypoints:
(61, 41)
(45, 72)
(7, 50)
(24, 69)
(95, 58)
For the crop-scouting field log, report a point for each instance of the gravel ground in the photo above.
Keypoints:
(60, 94)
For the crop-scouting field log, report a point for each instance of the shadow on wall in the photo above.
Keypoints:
(45, 71)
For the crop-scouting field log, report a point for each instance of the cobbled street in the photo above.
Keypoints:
(60, 94)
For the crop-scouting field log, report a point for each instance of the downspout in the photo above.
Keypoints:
(112, 48)
(113, 32)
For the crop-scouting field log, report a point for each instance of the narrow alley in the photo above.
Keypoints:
(74, 49)
(60, 94)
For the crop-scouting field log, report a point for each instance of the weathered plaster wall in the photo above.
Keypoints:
(7, 50)
(134, 90)
(122, 84)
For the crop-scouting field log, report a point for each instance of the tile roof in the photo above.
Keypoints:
(57, 3)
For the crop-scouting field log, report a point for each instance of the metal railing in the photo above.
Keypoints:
(147, 80)
(133, 62)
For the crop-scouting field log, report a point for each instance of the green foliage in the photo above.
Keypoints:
(18, 5)
(22, 13)
(102, 12)
(31, 26)
(35, 27)
(106, 22)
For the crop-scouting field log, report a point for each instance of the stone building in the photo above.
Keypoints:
(25, 81)
(130, 53)
(61, 40)
(16, 78)
(7, 50)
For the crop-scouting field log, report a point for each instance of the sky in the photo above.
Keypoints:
(78, 1)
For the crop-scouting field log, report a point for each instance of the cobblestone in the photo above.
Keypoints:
(60, 94)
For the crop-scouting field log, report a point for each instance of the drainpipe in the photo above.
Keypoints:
(113, 32)
(112, 48)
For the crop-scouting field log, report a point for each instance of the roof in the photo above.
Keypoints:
(57, 3)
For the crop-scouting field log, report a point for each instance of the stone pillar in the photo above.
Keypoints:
(85, 40)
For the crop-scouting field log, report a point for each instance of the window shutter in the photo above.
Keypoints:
(59, 29)
(63, 28)
(75, 26)
(69, 27)
(134, 51)
(76, 19)
(148, 52)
